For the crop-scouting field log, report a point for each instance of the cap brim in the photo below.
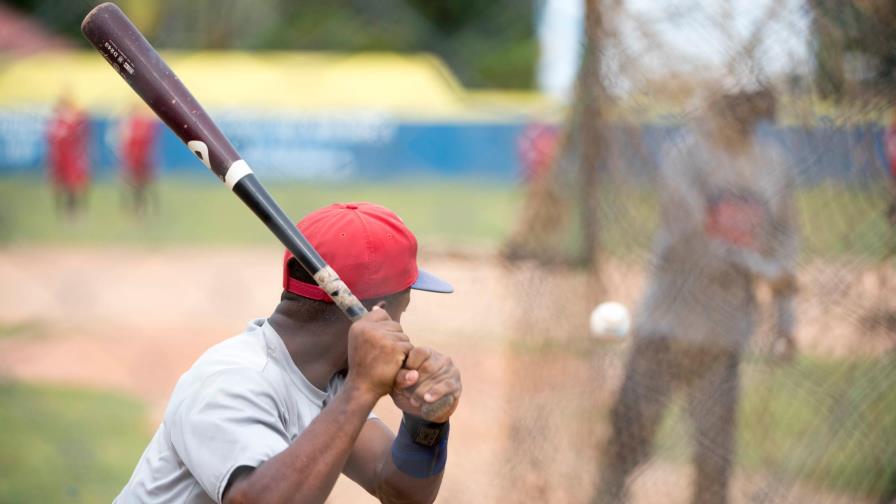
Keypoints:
(428, 282)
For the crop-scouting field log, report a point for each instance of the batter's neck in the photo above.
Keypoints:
(318, 349)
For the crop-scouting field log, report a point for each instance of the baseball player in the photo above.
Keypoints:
(276, 413)
(890, 153)
(138, 136)
(726, 200)
(542, 214)
(67, 137)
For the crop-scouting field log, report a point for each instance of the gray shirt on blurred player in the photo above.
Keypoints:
(725, 221)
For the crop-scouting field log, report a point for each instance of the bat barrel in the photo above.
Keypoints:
(139, 64)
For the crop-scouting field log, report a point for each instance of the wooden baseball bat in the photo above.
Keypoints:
(141, 66)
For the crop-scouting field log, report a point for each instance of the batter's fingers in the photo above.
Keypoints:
(398, 336)
(417, 357)
(391, 325)
(439, 390)
(435, 365)
(405, 348)
(376, 317)
(377, 313)
(425, 386)
(406, 378)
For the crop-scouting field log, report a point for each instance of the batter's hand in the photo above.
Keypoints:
(377, 347)
(427, 377)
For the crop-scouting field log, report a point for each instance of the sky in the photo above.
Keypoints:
(685, 36)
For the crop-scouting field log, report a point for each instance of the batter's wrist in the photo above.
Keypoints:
(358, 391)
(420, 448)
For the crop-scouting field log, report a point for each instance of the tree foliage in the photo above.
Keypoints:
(487, 43)
(853, 33)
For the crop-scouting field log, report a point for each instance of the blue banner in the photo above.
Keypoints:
(375, 146)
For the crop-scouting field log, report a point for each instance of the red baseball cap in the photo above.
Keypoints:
(368, 246)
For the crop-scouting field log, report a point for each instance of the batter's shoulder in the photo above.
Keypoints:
(245, 350)
(241, 357)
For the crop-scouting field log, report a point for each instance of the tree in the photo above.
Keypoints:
(573, 177)
(850, 29)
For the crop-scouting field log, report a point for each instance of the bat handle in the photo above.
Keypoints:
(437, 409)
(247, 187)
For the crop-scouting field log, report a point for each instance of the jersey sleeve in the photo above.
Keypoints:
(231, 420)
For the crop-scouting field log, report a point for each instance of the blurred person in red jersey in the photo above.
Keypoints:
(137, 139)
(68, 134)
(537, 147)
(890, 143)
(890, 147)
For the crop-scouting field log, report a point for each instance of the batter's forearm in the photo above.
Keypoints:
(307, 470)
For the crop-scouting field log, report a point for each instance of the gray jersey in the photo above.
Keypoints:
(243, 402)
(701, 286)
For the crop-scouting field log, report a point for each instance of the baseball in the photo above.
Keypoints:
(610, 320)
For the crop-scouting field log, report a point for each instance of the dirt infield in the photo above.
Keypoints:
(135, 319)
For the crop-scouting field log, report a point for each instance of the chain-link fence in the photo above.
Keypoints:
(752, 240)
(735, 384)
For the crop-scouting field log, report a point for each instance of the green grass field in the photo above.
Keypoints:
(193, 212)
(67, 445)
(834, 220)
(830, 424)
(29, 329)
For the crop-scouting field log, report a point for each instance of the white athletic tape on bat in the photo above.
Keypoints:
(199, 148)
(330, 282)
(237, 171)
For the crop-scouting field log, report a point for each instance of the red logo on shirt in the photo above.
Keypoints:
(735, 219)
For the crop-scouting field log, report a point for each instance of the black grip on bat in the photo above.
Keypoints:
(141, 66)
(254, 195)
